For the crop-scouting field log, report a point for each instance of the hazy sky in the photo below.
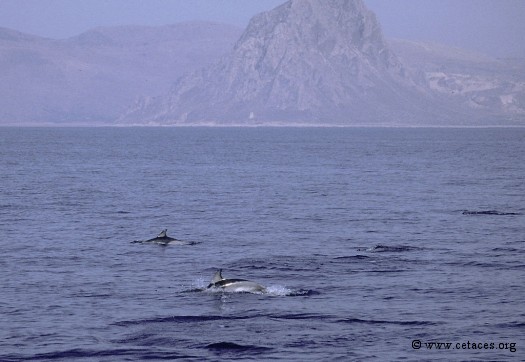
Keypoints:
(496, 27)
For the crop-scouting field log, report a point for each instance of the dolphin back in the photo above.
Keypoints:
(234, 285)
(242, 286)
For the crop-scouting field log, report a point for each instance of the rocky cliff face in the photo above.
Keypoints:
(306, 61)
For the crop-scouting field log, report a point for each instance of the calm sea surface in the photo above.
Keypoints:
(373, 243)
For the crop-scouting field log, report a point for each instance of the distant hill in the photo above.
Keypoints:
(310, 62)
(305, 62)
(471, 80)
(326, 62)
(94, 77)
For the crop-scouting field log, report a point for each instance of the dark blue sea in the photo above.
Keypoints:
(373, 243)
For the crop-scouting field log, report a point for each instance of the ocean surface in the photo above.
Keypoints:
(373, 243)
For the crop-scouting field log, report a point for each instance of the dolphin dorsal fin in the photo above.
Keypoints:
(162, 233)
(217, 277)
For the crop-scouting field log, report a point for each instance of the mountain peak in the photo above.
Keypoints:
(352, 20)
(304, 61)
(331, 28)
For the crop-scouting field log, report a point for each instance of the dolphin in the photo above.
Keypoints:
(235, 285)
(162, 239)
(384, 248)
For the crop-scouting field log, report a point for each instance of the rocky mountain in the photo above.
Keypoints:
(94, 77)
(305, 62)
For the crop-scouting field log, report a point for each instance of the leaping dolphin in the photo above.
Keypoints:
(163, 239)
(235, 285)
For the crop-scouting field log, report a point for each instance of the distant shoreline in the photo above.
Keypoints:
(284, 125)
